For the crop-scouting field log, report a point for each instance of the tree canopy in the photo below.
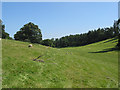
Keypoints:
(48, 42)
(118, 25)
(29, 32)
(3, 34)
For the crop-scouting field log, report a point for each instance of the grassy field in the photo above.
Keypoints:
(0, 64)
(90, 66)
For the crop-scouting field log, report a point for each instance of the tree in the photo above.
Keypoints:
(3, 34)
(29, 32)
(48, 42)
(115, 25)
(0, 28)
(118, 25)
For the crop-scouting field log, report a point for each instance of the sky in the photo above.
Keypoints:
(58, 19)
(119, 10)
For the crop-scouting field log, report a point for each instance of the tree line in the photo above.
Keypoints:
(31, 33)
(91, 36)
(85, 38)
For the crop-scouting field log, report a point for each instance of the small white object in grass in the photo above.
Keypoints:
(0, 38)
(108, 77)
(30, 45)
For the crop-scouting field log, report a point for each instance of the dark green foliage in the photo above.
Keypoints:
(48, 42)
(3, 34)
(86, 38)
(0, 28)
(29, 33)
(82, 39)
(118, 26)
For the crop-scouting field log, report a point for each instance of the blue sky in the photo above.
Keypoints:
(119, 9)
(57, 19)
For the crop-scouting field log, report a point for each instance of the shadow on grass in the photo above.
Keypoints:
(107, 50)
(111, 40)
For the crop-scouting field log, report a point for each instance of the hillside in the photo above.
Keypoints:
(90, 66)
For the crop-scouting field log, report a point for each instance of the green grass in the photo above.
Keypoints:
(89, 66)
(0, 64)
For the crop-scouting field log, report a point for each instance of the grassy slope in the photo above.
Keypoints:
(0, 64)
(74, 67)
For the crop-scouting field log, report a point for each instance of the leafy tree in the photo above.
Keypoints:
(118, 25)
(48, 42)
(116, 29)
(29, 32)
(0, 28)
(3, 34)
